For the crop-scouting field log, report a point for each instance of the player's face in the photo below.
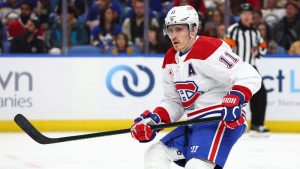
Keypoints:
(179, 36)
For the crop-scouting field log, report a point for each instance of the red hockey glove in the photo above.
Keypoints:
(140, 130)
(232, 108)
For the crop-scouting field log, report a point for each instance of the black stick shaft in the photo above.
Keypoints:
(36, 135)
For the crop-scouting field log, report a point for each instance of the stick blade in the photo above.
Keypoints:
(30, 130)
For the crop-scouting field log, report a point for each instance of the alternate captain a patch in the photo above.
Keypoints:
(191, 70)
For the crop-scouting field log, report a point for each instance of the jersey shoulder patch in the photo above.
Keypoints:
(204, 47)
(169, 57)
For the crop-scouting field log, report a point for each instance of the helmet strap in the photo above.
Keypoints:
(184, 50)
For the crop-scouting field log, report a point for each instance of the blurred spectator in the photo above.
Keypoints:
(221, 31)
(77, 35)
(272, 46)
(295, 48)
(221, 6)
(156, 9)
(257, 18)
(92, 18)
(126, 10)
(11, 17)
(157, 44)
(265, 30)
(235, 10)
(80, 6)
(133, 27)
(198, 5)
(167, 6)
(28, 41)
(17, 28)
(212, 25)
(7, 20)
(43, 9)
(288, 29)
(89, 3)
(255, 3)
(1, 37)
(121, 46)
(13, 4)
(10, 6)
(272, 13)
(103, 34)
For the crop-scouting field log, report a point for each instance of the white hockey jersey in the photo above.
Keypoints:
(196, 82)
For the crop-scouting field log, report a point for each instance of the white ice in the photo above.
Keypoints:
(18, 151)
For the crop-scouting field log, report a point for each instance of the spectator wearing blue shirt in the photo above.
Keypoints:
(14, 4)
(106, 31)
(126, 10)
(92, 18)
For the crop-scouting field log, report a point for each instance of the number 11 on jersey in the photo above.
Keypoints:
(228, 60)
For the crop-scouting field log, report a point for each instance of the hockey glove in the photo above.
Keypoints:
(232, 109)
(141, 131)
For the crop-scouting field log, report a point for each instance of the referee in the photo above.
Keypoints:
(246, 41)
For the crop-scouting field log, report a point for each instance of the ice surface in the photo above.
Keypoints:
(18, 151)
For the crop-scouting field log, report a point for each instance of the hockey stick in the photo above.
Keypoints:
(30, 130)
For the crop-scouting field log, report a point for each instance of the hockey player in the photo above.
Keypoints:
(202, 78)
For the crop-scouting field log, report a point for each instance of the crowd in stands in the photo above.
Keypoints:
(117, 26)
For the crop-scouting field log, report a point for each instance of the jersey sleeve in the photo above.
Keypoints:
(229, 37)
(227, 68)
(171, 103)
(262, 45)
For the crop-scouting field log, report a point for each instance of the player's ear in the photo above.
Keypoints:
(194, 31)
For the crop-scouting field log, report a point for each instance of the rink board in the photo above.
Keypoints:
(107, 125)
(90, 93)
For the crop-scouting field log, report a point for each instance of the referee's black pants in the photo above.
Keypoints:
(258, 105)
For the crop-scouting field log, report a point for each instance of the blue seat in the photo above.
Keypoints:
(84, 49)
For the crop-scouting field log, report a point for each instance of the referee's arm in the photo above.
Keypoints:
(262, 44)
(229, 39)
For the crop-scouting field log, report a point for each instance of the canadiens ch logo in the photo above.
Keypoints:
(188, 92)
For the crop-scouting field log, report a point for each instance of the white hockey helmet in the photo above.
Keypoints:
(182, 15)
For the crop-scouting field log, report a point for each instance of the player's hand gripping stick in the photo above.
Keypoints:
(232, 109)
(140, 130)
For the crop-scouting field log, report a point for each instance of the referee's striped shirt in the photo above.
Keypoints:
(244, 39)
